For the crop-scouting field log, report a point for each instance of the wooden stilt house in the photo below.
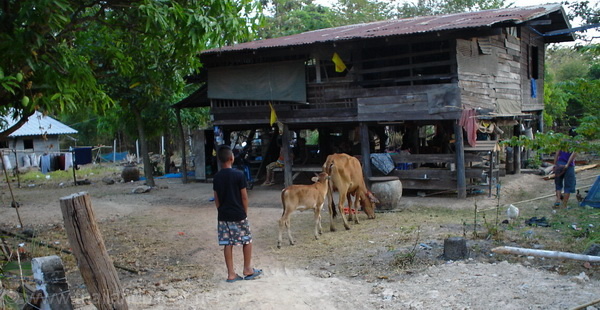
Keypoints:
(453, 71)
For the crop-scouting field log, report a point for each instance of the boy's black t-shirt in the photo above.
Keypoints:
(227, 183)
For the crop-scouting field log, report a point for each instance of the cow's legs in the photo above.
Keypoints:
(289, 229)
(355, 204)
(281, 224)
(331, 207)
(341, 209)
(284, 221)
(317, 224)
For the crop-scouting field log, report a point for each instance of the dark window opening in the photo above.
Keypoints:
(28, 144)
(535, 61)
(3, 144)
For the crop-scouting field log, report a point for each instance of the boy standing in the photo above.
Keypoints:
(231, 199)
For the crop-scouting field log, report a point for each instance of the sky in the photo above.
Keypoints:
(517, 3)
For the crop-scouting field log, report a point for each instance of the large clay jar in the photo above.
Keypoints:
(388, 191)
(130, 173)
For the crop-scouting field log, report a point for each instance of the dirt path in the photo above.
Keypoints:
(170, 235)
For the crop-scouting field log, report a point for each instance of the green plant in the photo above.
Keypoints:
(404, 260)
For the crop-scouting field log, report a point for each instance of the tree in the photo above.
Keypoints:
(287, 17)
(438, 7)
(350, 12)
(60, 55)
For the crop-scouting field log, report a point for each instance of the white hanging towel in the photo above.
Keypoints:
(35, 160)
(68, 160)
(7, 162)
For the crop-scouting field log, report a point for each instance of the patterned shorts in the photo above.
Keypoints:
(234, 233)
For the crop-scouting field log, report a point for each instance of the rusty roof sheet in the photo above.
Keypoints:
(395, 27)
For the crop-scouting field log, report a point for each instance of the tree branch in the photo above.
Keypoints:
(16, 126)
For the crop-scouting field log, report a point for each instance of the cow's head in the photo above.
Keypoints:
(321, 177)
(368, 204)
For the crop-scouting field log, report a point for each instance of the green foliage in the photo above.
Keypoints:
(287, 17)
(437, 7)
(67, 55)
(551, 142)
(349, 12)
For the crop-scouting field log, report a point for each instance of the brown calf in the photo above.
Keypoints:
(303, 197)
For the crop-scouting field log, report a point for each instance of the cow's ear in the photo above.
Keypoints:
(315, 179)
(372, 197)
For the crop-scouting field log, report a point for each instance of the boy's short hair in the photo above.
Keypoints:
(224, 153)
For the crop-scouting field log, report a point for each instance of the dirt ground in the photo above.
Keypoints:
(391, 262)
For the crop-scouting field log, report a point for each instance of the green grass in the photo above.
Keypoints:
(67, 176)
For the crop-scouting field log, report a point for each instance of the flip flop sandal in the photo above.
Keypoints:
(237, 278)
(256, 274)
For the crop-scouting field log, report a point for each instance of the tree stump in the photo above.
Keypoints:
(49, 274)
(96, 267)
(455, 248)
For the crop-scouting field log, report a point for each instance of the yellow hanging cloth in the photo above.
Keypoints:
(340, 66)
(273, 115)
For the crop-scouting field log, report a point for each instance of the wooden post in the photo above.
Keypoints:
(461, 180)
(200, 154)
(49, 275)
(517, 151)
(96, 267)
(184, 178)
(287, 156)
(365, 151)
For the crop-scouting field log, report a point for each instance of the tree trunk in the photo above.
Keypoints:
(96, 267)
(184, 178)
(168, 151)
(143, 147)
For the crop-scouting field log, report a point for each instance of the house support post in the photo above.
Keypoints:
(517, 151)
(184, 178)
(287, 156)
(461, 180)
(365, 151)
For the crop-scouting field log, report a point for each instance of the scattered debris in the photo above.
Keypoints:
(141, 189)
(540, 222)
(108, 181)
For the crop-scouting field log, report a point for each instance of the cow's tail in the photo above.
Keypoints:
(333, 209)
(283, 200)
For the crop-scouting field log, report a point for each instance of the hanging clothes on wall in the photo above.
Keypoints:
(45, 163)
(35, 160)
(68, 160)
(468, 121)
(83, 155)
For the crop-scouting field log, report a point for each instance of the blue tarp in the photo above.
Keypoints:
(109, 157)
(176, 175)
(593, 197)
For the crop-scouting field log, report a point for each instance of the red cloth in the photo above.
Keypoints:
(469, 123)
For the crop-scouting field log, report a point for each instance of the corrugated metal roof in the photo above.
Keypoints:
(37, 125)
(421, 24)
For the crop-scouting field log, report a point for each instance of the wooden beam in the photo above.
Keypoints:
(287, 156)
(365, 151)
(461, 181)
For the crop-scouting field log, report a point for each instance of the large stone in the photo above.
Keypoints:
(593, 249)
(388, 190)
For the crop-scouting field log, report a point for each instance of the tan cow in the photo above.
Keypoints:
(303, 197)
(346, 176)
